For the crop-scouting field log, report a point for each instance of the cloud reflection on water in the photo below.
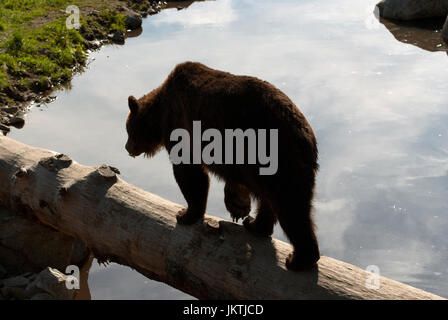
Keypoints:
(378, 108)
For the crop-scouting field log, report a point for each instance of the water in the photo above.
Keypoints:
(378, 107)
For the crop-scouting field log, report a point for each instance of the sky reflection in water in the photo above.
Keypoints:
(378, 108)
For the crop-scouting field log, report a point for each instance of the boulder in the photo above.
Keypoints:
(52, 282)
(17, 122)
(10, 110)
(117, 37)
(14, 93)
(13, 293)
(152, 11)
(18, 281)
(413, 9)
(4, 128)
(42, 296)
(49, 284)
(133, 20)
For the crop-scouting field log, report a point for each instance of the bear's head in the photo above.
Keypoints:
(143, 127)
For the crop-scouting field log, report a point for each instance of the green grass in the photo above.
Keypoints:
(3, 79)
(51, 51)
(32, 52)
(14, 12)
(112, 20)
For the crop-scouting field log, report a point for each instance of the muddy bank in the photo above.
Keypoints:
(110, 24)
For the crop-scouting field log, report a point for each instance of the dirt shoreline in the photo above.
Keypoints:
(15, 101)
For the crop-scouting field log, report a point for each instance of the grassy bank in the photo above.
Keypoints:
(38, 51)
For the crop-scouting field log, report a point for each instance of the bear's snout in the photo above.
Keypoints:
(130, 148)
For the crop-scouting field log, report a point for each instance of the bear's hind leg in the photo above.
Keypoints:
(194, 183)
(296, 221)
(263, 224)
(237, 200)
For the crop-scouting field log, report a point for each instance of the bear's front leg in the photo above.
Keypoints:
(194, 183)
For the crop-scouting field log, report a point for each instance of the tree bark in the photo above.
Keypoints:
(213, 259)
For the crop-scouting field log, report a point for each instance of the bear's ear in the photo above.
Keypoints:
(133, 104)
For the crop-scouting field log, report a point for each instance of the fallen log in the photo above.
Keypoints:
(27, 246)
(215, 259)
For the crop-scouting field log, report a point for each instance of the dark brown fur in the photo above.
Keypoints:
(225, 101)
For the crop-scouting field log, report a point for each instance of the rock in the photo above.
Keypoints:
(413, 9)
(52, 282)
(4, 128)
(29, 275)
(46, 84)
(42, 296)
(92, 45)
(445, 31)
(14, 93)
(88, 35)
(14, 293)
(152, 11)
(49, 99)
(134, 33)
(48, 284)
(133, 20)
(16, 122)
(19, 282)
(117, 37)
(10, 110)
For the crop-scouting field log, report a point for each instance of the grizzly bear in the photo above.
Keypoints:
(221, 100)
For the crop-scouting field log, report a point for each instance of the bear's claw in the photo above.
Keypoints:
(293, 263)
(186, 217)
(251, 225)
